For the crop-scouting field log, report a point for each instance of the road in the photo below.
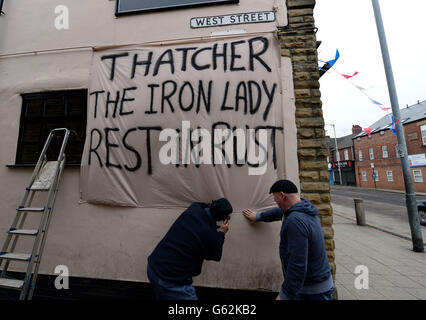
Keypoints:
(389, 204)
(383, 209)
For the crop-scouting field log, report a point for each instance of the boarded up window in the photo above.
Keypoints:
(43, 112)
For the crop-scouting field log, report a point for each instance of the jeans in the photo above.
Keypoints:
(328, 295)
(169, 291)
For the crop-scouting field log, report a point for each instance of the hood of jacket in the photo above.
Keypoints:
(302, 206)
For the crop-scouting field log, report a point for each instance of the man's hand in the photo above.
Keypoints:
(278, 297)
(250, 215)
(224, 227)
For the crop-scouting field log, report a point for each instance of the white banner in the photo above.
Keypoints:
(194, 121)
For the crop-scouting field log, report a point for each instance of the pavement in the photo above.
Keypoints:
(395, 271)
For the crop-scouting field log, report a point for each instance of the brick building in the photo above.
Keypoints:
(345, 157)
(379, 150)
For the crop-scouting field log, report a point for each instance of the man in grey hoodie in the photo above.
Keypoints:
(307, 274)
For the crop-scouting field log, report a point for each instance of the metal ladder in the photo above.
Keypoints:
(45, 178)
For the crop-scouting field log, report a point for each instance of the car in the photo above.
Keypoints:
(421, 207)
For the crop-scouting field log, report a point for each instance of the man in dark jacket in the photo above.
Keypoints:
(179, 256)
(307, 274)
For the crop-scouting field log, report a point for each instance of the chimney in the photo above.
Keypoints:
(356, 129)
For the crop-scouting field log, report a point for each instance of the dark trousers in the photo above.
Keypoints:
(328, 295)
(165, 290)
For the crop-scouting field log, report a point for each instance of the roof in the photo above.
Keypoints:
(410, 114)
(342, 142)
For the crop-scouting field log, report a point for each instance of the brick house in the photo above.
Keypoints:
(379, 149)
(345, 157)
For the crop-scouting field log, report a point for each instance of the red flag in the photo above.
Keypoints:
(348, 76)
(384, 108)
(368, 131)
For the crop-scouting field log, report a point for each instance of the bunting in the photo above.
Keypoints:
(394, 123)
(348, 76)
(327, 65)
(330, 64)
(378, 104)
(362, 88)
(368, 131)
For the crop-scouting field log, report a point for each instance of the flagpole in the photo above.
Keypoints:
(410, 198)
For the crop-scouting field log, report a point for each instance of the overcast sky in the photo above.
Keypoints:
(350, 27)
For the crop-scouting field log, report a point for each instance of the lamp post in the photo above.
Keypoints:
(410, 198)
(373, 175)
(337, 152)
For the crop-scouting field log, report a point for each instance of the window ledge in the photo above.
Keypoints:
(13, 166)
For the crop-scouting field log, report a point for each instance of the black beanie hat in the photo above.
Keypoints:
(220, 209)
(285, 186)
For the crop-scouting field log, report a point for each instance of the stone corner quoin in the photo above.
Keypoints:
(298, 42)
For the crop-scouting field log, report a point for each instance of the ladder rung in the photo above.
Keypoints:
(35, 189)
(23, 209)
(11, 284)
(15, 256)
(31, 189)
(25, 232)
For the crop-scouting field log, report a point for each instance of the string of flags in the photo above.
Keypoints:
(393, 127)
(379, 104)
(330, 64)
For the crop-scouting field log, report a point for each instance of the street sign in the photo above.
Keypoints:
(232, 19)
(417, 160)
